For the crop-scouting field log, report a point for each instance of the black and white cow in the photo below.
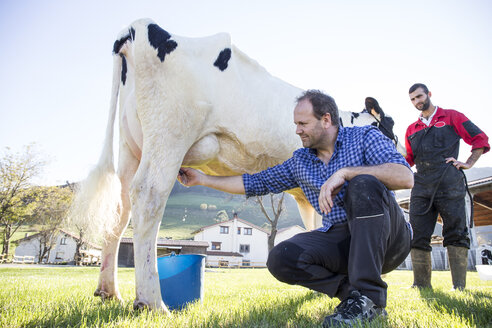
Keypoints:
(197, 102)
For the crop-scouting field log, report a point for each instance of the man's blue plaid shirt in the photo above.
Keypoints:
(355, 146)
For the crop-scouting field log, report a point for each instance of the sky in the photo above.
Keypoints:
(56, 61)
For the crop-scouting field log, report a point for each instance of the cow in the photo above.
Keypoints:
(195, 102)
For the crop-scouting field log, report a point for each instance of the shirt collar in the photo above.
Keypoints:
(428, 121)
(341, 133)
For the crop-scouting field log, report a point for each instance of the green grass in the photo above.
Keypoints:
(62, 297)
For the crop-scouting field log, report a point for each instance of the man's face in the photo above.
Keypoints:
(308, 127)
(420, 99)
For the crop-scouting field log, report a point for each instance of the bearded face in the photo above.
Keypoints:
(422, 106)
(420, 99)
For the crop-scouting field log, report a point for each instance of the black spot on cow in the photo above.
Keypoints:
(353, 117)
(119, 43)
(375, 124)
(123, 69)
(486, 256)
(161, 40)
(223, 59)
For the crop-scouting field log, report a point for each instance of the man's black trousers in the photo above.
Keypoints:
(352, 255)
(446, 197)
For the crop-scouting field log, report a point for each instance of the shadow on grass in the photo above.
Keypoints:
(88, 312)
(472, 306)
(278, 314)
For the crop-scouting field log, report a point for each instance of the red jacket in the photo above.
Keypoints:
(427, 147)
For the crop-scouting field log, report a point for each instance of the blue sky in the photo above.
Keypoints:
(56, 63)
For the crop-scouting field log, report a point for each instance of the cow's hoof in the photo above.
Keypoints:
(107, 296)
(141, 305)
(102, 294)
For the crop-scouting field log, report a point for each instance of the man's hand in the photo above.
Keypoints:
(457, 164)
(330, 189)
(190, 177)
(475, 155)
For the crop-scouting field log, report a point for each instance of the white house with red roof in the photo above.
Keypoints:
(234, 243)
(237, 242)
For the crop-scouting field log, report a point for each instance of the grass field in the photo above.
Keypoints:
(62, 297)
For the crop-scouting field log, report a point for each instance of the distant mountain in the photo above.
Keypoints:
(475, 173)
(188, 209)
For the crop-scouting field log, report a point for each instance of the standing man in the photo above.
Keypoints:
(432, 144)
(346, 174)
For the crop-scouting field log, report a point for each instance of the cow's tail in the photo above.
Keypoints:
(97, 202)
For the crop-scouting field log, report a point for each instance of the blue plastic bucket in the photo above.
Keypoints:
(181, 279)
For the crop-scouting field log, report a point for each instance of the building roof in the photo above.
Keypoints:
(481, 190)
(68, 233)
(171, 242)
(229, 221)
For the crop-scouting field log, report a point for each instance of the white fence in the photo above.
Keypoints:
(23, 259)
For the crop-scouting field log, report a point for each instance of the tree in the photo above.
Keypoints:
(17, 199)
(50, 212)
(80, 228)
(221, 216)
(277, 205)
(79, 243)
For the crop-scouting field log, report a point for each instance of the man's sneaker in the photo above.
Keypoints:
(354, 308)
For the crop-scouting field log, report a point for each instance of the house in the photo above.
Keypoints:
(286, 233)
(234, 243)
(164, 247)
(237, 242)
(62, 251)
(480, 235)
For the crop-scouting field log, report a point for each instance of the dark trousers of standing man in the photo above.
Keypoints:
(433, 195)
(352, 255)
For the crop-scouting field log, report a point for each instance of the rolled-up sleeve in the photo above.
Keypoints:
(469, 132)
(272, 180)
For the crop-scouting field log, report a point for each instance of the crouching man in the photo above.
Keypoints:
(346, 174)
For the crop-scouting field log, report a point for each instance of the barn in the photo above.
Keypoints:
(164, 247)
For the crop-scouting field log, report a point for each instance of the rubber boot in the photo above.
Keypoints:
(458, 263)
(422, 268)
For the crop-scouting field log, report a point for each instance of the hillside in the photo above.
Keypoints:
(475, 173)
(184, 214)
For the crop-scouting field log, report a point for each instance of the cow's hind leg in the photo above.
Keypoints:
(108, 282)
